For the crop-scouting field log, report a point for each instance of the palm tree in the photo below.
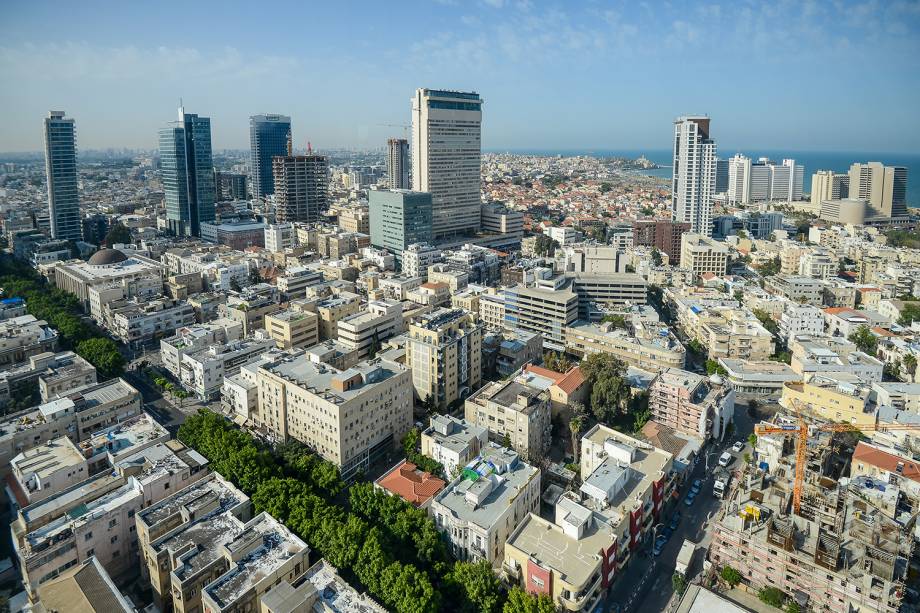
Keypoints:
(575, 426)
(910, 364)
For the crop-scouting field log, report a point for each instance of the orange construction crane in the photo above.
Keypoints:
(801, 430)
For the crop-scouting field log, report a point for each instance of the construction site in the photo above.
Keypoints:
(835, 535)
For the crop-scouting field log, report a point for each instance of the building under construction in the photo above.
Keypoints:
(840, 552)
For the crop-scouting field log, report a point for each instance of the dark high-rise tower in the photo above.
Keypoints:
(61, 171)
(268, 137)
(187, 171)
(398, 163)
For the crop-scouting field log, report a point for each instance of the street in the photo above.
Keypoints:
(645, 584)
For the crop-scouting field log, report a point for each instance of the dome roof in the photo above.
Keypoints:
(106, 257)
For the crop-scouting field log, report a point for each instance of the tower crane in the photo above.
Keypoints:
(800, 431)
(404, 126)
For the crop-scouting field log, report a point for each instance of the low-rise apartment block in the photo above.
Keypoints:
(136, 322)
(453, 442)
(702, 254)
(479, 509)
(831, 399)
(691, 403)
(203, 372)
(647, 346)
(293, 328)
(365, 331)
(547, 310)
(801, 290)
(514, 411)
(24, 336)
(828, 355)
(190, 339)
(47, 469)
(350, 417)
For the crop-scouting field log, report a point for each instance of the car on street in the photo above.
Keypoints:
(738, 447)
(696, 486)
(667, 532)
(659, 545)
(725, 459)
(689, 499)
(675, 521)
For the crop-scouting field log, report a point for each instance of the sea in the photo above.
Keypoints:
(811, 160)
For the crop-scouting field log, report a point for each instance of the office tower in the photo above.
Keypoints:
(829, 185)
(398, 163)
(884, 187)
(301, 186)
(721, 176)
(61, 171)
(446, 157)
(786, 181)
(399, 218)
(187, 172)
(739, 169)
(230, 186)
(268, 137)
(694, 176)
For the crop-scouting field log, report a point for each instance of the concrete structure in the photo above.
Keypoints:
(828, 185)
(350, 417)
(135, 322)
(546, 310)
(798, 319)
(694, 174)
(702, 254)
(691, 403)
(515, 411)
(498, 219)
(364, 332)
(190, 339)
(23, 337)
(446, 152)
(883, 187)
(268, 137)
(795, 288)
(139, 276)
(398, 163)
(293, 329)
(296, 279)
(320, 589)
(279, 237)
(845, 211)
(61, 177)
(86, 588)
(453, 442)
(764, 180)
(812, 355)
(479, 509)
(47, 469)
(830, 399)
(202, 372)
(301, 186)
(238, 235)
(662, 235)
(399, 218)
(187, 171)
(517, 349)
(416, 259)
(761, 378)
(645, 346)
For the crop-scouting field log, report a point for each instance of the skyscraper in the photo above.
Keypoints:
(694, 181)
(764, 180)
(398, 163)
(187, 172)
(446, 157)
(883, 187)
(721, 176)
(61, 171)
(268, 137)
(301, 186)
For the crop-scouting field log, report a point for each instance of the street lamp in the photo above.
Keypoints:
(709, 455)
(655, 532)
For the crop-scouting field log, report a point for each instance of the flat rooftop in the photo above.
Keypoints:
(210, 491)
(318, 378)
(133, 432)
(459, 432)
(44, 460)
(336, 594)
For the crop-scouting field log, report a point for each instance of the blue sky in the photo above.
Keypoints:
(782, 74)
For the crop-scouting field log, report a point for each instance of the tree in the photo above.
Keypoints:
(772, 596)
(235, 284)
(730, 576)
(679, 583)
(771, 267)
(506, 441)
(909, 314)
(478, 584)
(752, 439)
(375, 345)
(520, 601)
(575, 426)
(793, 607)
(617, 321)
(767, 321)
(556, 361)
(714, 368)
(864, 340)
(103, 354)
(605, 187)
(118, 233)
(910, 365)
(657, 260)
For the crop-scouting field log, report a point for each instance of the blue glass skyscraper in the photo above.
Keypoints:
(268, 137)
(61, 170)
(187, 171)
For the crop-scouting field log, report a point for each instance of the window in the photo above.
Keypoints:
(88, 535)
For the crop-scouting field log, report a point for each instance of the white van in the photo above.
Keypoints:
(725, 459)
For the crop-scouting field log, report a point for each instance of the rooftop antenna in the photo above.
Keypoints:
(309, 148)
(181, 110)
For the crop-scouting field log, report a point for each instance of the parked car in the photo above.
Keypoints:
(696, 486)
(659, 545)
(737, 447)
(667, 532)
(725, 459)
(675, 521)
(689, 499)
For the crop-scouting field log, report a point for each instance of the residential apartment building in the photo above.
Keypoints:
(692, 404)
(694, 174)
(799, 319)
(832, 356)
(61, 175)
(802, 290)
(453, 442)
(883, 187)
(202, 372)
(296, 279)
(547, 310)
(350, 417)
(515, 411)
(828, 185)
(645, 346)
(293, 328)
(832, 400)
(190, 339)
(333, 309)
(480, 508)
(365, 331)
(703, 255)
(398, 163)
(136, 322)
(301, 186)
(729, 332)
(417, 257)
(662, 235)
(279, 237)
(444, 352)
(23, 337)
(47, 469)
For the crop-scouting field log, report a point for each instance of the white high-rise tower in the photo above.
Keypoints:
(694, 181)
(447, 157)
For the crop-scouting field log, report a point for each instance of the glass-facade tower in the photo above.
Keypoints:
(187, 172)
(61, 171)
(268, 137)
(399, 218)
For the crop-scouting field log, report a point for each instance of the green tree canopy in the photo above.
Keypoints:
(864, 340)
(520, 601)
(104, 355)
(118, 233)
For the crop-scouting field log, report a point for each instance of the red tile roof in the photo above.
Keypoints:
(571, 381)
(544, 372)
(411, 484)
(887, 461)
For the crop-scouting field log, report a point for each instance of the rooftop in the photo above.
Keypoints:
(452, 433)
(411, 484)
(329, 383)
(202, 496)
(46, 459)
